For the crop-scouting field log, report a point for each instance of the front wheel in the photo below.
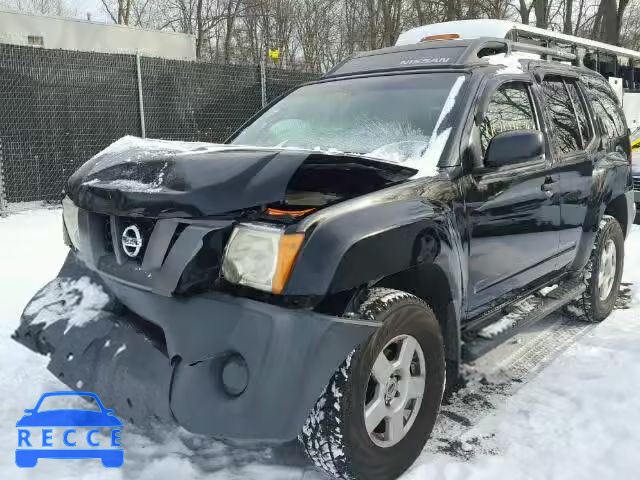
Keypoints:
(380, 406)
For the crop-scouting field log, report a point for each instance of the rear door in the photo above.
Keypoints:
(573, 146)
(513, 210)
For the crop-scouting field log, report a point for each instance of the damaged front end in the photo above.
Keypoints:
(214, 364)
(95, 345)
(140, 312)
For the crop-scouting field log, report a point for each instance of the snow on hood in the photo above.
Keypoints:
(417, 152)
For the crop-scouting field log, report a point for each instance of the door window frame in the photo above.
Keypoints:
(485, 97)
(557, 157)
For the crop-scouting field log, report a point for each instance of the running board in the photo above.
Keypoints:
(519, 317)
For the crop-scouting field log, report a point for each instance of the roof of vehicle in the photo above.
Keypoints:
(450, 54)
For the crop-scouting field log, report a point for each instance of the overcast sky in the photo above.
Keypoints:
(94, 7)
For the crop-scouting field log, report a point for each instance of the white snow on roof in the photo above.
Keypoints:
(511, 63)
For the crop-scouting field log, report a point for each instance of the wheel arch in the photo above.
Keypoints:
(430, 283)
(610, 195)
(619, 210)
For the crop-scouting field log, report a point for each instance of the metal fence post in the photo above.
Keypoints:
(3, 197)
(263, 83)
(143, 128)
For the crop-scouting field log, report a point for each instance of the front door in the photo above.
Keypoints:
(513, 210)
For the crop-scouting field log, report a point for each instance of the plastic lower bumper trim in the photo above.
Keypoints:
(290, 356)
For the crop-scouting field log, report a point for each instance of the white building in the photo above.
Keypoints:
(71, 34)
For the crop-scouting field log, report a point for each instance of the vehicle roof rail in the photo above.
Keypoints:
(483, 47)
(547, 53)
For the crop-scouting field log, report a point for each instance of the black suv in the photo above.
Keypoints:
(326, 281)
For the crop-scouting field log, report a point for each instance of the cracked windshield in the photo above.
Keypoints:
(399, 119)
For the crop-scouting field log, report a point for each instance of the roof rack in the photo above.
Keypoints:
(443, 53)
(547, 53)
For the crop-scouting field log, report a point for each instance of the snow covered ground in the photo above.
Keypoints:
(565, 407)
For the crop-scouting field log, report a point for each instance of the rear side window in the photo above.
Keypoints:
(581, 112)
(564, 124)
(509, 109)
(605, 107)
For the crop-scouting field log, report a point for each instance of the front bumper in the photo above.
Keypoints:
(154, 358)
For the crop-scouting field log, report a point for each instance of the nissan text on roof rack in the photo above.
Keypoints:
(327, 271)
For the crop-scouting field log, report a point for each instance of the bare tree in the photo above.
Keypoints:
(118, 10)
(41, 7)
(316, 34)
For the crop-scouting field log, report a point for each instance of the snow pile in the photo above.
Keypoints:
(510, 62)
(547, 290)
(76, 301)
(129, 142)
(580, 414)
(520, 310)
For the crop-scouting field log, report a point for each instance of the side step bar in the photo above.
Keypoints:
(522, 315)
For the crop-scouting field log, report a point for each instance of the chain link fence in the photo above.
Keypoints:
(59, 108)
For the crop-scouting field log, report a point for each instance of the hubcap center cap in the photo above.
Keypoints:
(391, 390)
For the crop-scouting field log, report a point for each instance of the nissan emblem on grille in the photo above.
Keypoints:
(131, 241)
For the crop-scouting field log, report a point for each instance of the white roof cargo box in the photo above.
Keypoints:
(466, 29)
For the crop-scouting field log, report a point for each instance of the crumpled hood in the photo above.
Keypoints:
(154, 178)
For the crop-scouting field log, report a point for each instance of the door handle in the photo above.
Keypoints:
(549, 187)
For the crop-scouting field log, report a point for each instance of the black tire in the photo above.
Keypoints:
(334, 435)
(596, 309)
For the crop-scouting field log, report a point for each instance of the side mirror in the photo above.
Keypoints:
(514, 147)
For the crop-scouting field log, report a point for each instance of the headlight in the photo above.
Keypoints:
(260, 256)
(70, 216)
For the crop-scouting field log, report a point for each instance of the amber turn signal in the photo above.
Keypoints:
(444, 36)
(276, 212)
(287, 253)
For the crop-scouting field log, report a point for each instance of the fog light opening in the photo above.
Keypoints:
(235, 375)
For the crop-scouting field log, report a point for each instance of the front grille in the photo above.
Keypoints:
(197, 273)
(636, 183)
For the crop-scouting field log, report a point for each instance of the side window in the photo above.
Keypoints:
(605, 112)
(564, 124)
(581, 112)
(605, 107)
(510, 109)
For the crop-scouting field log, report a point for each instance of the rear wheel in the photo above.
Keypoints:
(380, 406)
(604, 271)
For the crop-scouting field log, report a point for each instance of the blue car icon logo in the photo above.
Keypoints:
(30, 437)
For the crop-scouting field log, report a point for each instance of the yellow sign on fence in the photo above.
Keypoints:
(274, 54)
